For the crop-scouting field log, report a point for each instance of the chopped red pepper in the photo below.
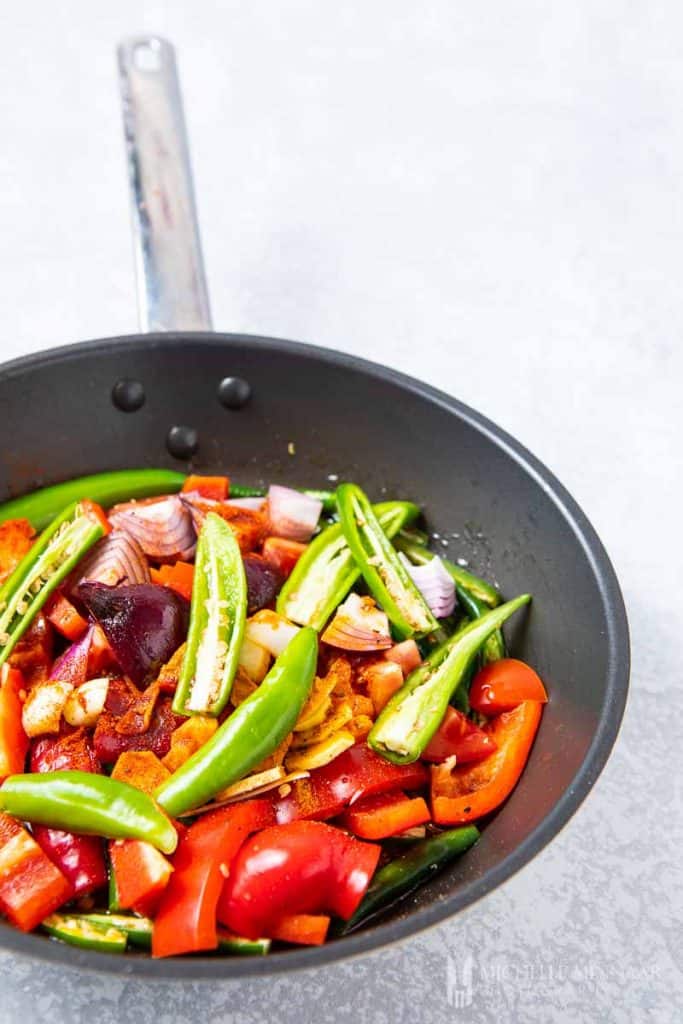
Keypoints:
(384, 815)
(357, 772)
(33, 654)
(468, 792)
(140, 875)
(16, 538)
(282, 554)
(458, 735)
(305, 867)
(64, 617)
(217, 488)
(504, 684)
(383, 679)
(31, 887)
(13, 739)
(302, 929)
(179, 577)
(186, 921)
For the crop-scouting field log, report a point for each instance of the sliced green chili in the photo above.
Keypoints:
(86, 934)
(235, 944)
(403, 875)
(420, 555)
(380, 565)
(413, 714)
(250, 733)
(217, 617)
(493, 648)
(83, 802)
(138, 930)
(327, 570)
(43, 568)
(40, 507)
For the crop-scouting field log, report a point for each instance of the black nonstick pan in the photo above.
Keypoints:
(264, 409)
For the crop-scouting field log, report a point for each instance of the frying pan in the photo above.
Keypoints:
(271, 410)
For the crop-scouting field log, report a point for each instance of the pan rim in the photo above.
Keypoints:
(379, 936)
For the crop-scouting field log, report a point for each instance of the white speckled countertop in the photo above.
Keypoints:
(488, 196)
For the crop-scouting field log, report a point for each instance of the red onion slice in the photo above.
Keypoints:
(161, 526)
(117, 558)
(434, 583)
(358, 625)
(253, 504)
(72, 665)
(292, 515)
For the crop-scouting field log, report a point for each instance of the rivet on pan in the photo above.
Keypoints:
(234, 392)
(128, 395)
(182, 442)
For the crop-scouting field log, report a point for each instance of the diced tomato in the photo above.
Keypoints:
(216, 488)
(357, 772)
(504, 684)
(283, 554)
(305, 867)
(95, 512)
(179, 577)
(16, 538)
(140, 873)
(31, 887)
(406, 654)
(458, 735)
(186, 920)
(301, 929)
(468, 792)
(64, 617)
(384, 815)
(383, 679)
(13, 739)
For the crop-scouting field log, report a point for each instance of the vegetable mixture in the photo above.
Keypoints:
(230, 718)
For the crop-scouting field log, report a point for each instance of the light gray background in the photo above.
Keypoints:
(487, 196)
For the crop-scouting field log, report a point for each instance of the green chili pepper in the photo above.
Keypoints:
(217, 617)
(252, 731)
(87, 934)
(380, 565)
(235, 944)
(327, 570)
(412, 535)
(328, 498)
(493, 648)
(40, 507)
(138, 930)
(42, 569)
(402, 876)
(420, 555)
(412, 715)
(90, 804)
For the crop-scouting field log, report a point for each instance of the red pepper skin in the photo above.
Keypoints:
(305, 867)
(13, 740)
(140, 875)
(216, 488)
(186, 920)
(301, 929)
(384, 815)
(31, 887)
(357, 773)
(79, 858)
(504, 684)
(459, 736)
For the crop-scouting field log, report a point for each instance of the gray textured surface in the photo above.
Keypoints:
(488, 196)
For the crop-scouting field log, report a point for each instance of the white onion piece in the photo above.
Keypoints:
(434, 583)
(270, 630)
(254, 504)
(161, 526)
(254, 660)
(292, 515)
(359, 625)
(116, 558)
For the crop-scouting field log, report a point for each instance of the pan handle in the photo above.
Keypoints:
(172, 292)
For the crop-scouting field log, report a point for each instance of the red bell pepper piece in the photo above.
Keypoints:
(458, 735)
(384, 815)
(186, 920)
(468, 792)
(282, 554)
(16, 538)
(31, 887)
(64, 617)
(504, 684)
(79, 858)
(13, 739)
(179, 577)
(305, 867)
(357, 773)
(406, 654)
(302, 929)
(216, 488)
(140, 875)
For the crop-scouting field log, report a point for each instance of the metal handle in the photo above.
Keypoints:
(172, 292)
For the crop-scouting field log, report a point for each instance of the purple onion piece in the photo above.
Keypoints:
(116, 558)
(144, 624)
(263, 583)
(292, 515)
(434, 583)
(161, 526)
(72, 665)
